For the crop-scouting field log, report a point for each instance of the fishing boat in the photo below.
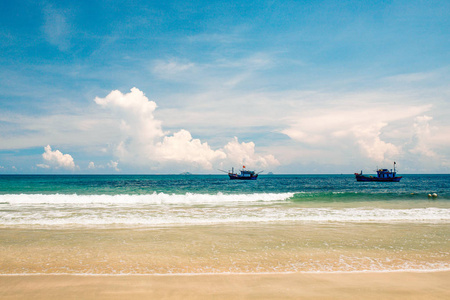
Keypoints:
(245, 174)
(383, 175)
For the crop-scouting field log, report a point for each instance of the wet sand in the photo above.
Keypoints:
(393, 285)
(50, 259)
(265, 248)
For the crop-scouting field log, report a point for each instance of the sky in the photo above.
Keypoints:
(164, 87)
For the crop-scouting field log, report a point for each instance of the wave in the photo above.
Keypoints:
(149, 216)
(155, 198)
(161, 209)
(364, 196)
(216, 198)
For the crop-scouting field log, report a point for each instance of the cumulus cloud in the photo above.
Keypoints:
(346, 127)
(91, 165)
(182, 147)
(136, 113)
(244, 153)
(57, 159)
(370, 143)
(143, 141)
(422, 137)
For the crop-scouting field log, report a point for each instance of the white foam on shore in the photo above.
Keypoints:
(154, 198)
(160, 209)
(176, 216)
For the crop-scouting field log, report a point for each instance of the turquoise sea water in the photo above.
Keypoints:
(166, 224)
(210, 184)
(199, 199)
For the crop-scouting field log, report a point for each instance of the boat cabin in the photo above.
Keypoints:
(245, 173)
(385, 173)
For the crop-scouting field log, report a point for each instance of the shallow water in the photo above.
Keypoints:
(231, 248)
(209, 224)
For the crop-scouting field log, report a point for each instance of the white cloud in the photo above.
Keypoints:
(91, 165)
(88, 128)
(413, 77)
(56, 28)
(135, 113)
(347, 125)
(182, 147)
(172, 69)
(43, 166)
(422, 143)
(370, 143)
(143, 142)
(429, 144)
(221, 73)
(244, 154)
(114, 165)
(57, 159)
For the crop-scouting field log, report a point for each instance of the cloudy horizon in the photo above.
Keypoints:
(297, 87)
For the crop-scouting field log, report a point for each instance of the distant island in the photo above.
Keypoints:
(185, 173)
(270, 173)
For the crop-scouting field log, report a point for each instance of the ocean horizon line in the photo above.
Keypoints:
(198, 174)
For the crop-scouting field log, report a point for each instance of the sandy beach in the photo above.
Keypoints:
(393, 285)
(310, 245)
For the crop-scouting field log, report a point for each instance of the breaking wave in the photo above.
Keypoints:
(155, 198)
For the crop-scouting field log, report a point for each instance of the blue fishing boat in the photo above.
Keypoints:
(383, 175)
(245, 174)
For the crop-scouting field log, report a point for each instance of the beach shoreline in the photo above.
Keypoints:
(335, 240)
(359, 285)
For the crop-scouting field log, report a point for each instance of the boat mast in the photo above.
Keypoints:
(394, 166)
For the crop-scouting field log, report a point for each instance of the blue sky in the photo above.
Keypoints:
(174, 86)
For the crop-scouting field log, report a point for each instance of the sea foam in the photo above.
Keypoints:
(154, 198)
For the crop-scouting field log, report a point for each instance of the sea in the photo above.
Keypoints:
(208, 224)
